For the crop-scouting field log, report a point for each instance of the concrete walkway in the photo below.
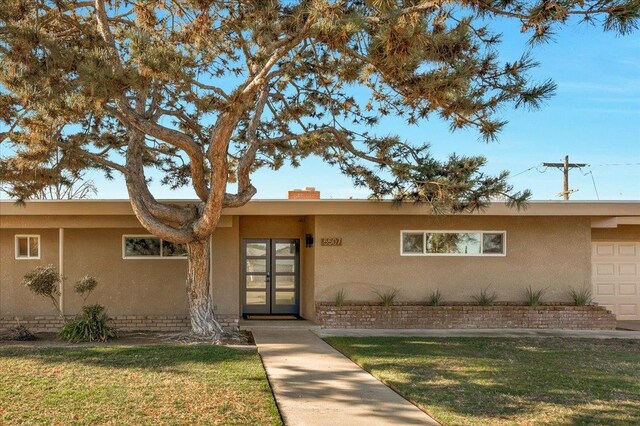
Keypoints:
(492, 332)
(316, 385)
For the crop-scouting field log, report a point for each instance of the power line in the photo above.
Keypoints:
(593, 179)
(615, 164)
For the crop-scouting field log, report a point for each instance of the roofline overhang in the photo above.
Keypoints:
(324, 207)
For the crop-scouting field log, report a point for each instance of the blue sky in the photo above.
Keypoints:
(594, 118)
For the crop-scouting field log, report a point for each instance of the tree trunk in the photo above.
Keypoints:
(203, 322)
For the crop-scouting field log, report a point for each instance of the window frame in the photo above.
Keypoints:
(457, 231)
(160, 256)
(28, 237)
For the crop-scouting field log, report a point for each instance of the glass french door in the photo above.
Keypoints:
(271, 276)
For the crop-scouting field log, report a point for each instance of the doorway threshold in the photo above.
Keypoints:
(272, 317)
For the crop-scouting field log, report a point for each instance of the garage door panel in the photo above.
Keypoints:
(628, 269)
(628, 289)
(627, 309)
(605, 289)
(627, 250)
(615, 272)
(605, 269)
(604, 249)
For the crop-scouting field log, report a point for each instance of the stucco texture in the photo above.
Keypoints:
(551, 252)
(15, 299)
(126, 286)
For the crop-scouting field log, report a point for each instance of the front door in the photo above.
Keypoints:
(271, 276)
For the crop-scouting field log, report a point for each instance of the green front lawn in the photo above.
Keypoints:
(501, 381)
(134, 385)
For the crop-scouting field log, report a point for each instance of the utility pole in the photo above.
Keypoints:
(565, 168)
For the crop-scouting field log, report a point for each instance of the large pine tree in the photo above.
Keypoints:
(208, 91)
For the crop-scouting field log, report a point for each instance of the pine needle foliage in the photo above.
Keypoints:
(207, 92)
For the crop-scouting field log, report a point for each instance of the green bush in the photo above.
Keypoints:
(581, 296)
(44, 281)
(338, 298)
(534, 297)
(386, 297)
(92, 325)
(435, 298)
(85, 285)
(484, 297)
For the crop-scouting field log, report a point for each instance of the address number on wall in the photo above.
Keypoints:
(331, 241)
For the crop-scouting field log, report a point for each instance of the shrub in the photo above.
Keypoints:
(534, 297)
(44, 281)
(19, 333)
(387, 297)
(581, 296)
(484, 297)
(339, 297)
(435, 298)
(91, 325)
(85, 285)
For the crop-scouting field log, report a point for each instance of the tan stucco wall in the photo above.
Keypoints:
(126, 286)
(307, 302)
(621, 233)
(225, 271)
(14, 298)
(551, 252)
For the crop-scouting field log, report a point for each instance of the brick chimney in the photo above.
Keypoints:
(309, 193)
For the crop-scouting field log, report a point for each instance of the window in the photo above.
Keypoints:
(150, 247)
(27, 246)
(453, 243)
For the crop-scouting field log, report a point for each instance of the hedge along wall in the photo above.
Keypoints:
(366, 315)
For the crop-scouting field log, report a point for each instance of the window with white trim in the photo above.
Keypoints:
(150, 247)
(27, 246)
(453, 243)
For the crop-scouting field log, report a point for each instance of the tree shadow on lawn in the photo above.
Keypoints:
(510, 379)
(165, 358)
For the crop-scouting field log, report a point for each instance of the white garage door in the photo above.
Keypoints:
(616, 277)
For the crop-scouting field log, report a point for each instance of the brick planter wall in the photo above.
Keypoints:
(158, 323)
(464, 316)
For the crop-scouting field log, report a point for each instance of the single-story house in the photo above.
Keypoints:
(297, 255)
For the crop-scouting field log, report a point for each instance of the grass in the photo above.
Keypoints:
(140, 385)
(501, 381)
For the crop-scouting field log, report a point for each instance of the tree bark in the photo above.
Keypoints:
(203, 322)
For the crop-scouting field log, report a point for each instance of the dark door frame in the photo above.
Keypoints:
(270, 308)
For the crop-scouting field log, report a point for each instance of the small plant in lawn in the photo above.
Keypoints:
(84, 286)
(339, 297)
(534, 297)
(581, 296)
(484, 297)
(435, 298)
(44, 281)
(386, 297)
(92, 325)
